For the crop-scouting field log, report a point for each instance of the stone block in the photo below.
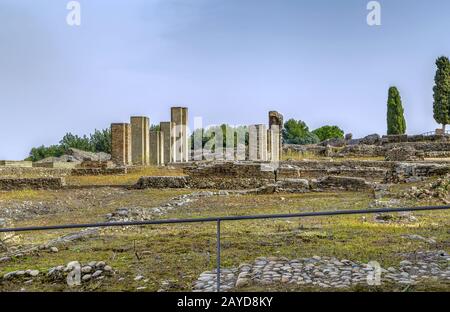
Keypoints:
(156, 148)
(179, 118)
(140, 149)
(121, 143)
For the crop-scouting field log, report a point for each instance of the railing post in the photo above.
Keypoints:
(218, 255)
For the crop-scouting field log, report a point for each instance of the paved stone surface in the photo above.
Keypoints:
(328, 272)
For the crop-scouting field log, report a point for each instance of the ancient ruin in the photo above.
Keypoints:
(121, 143)
(140, 144)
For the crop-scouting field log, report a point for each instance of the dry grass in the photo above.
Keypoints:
(125, 179)
(181, 252)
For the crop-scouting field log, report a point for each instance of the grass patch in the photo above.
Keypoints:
(180, 252)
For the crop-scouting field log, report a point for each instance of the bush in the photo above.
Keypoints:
(99, 141)
(41, 152)
(297, 132)
(329, 132)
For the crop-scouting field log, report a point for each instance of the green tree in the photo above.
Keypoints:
(74, 141)
(41, 152)
(396, 123)
(100, 141)
(297, 132)
(441, 105)
(155, 128)
(329, 132)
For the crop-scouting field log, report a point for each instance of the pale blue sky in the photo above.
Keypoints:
(227, 60)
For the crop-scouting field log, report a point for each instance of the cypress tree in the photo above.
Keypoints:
(396, 123)
(441, 105)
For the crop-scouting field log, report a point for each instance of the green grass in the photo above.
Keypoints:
(181, 252)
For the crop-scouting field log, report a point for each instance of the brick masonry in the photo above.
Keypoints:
(156, 148)
(179, 118)
(121, 143)
(140, 149)
(166, 128)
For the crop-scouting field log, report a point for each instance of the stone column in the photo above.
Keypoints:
(273, 144)
(276, 121)
(156, 148)
(166, 128)
(179, 118)
(257, 142)
(140, 149)
(121, 143)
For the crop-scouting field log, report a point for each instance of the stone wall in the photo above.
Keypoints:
(413, 138)
(56, 165)
(97, 164)
(98, 171)
(14, 172)
(16, 163)
(162, 182)
(404, 172)
(8, 184)
(345, 183)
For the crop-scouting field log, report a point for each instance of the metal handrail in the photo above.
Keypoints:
(218, 221)
(430, 133)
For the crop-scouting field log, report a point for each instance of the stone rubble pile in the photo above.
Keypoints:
(327, 272)
(438, 189)
(74, 273)
(140, 213)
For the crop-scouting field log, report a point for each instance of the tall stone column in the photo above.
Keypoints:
(156, 148)
(273, 144)
(121, 143)
(257, 142)
(140, 148)
(166, 128)
(179, 118)
(276, 121)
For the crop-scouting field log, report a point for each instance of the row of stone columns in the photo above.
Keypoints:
(135, 144)
(266, 144)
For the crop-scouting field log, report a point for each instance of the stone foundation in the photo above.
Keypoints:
(8, 184)
(162, 182)
(98, 171)
(14, 163)
(404, 172)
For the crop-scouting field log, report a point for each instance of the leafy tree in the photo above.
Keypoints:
(155, 128)
(42, 152)
(74, 141)
(441, 105)
(396, 123)
(100, 141)
(329, 132)
(297, 132)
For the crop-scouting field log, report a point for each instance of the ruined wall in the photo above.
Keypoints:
(8, 184)
(15, 163)
(14, 172)
(404, 172)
